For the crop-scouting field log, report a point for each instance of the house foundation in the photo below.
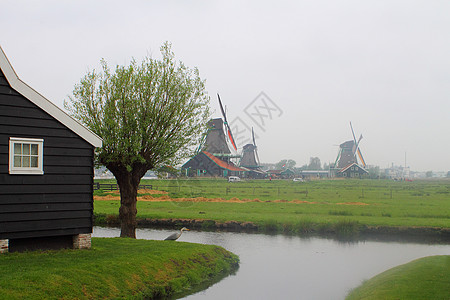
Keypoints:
(4, 246)
(82, 241)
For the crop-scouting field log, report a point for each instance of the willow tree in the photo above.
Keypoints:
(148, 114)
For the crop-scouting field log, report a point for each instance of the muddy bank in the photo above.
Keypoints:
(113, 220)
(421, 234)
(334, 230)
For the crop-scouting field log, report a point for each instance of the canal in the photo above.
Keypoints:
(292, 267)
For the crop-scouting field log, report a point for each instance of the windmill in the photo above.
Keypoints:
(215, 138)
(349, 152)
(213, 156)
(250, 159)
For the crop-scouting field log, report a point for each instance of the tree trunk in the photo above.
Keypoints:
(128, 182)
(128, 198)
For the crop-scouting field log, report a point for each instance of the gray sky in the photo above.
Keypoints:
(384, 65)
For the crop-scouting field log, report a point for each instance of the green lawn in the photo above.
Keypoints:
(113, 268)
(425, 278)
(328, 203)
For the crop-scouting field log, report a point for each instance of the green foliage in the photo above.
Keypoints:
(374, 172)
(346, 228)
(314, 164)
(163, 171)
(285, 164)
(148, 112)
(149, 115)
(113, 269)
(425, 278)
(270, 226)
(208, 224)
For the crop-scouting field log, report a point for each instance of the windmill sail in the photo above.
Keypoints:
(338, 157)
(256, 148)
(230, 138)
(202, 142)
(355, 145)
(361, 158)
(225, 122)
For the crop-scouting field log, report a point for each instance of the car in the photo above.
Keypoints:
(297, 180)
(234, 179)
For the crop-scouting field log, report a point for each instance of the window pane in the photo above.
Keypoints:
(17, 148)
(26, 161)
(17, 161)
(34, 149)
(34, 162)
(26, 156)
(26, 149)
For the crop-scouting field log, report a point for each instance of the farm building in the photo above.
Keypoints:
(283, 174)
(46, 171)
(352, 171)
(206, 164)
(313, 174)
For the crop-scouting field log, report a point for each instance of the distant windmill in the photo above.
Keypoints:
(250, 158)
(348, 152)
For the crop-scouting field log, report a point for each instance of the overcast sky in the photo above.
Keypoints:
(383, 65)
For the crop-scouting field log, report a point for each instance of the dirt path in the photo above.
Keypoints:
(147, 195)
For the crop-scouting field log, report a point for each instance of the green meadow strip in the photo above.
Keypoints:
(114, 268)
(425, 278)
(336, 206)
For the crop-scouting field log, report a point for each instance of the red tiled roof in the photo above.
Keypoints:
(222, 164)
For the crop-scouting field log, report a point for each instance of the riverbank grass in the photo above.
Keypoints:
(113, 268)
(425, 278)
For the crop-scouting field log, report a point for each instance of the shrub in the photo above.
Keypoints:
(347, 228)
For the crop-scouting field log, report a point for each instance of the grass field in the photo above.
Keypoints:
(297, 207)
(425, 278)
(115, 268)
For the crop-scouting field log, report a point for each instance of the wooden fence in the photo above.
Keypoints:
(115, 186)
(195, 191)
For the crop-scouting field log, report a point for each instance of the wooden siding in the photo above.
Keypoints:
(202, 162)
(60, 202)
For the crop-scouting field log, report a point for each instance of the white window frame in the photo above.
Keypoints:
(39, 170)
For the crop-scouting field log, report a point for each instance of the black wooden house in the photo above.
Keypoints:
(206, 164)
(46, 170)
(353, 171)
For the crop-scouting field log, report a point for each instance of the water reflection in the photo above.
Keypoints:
(290, 267)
